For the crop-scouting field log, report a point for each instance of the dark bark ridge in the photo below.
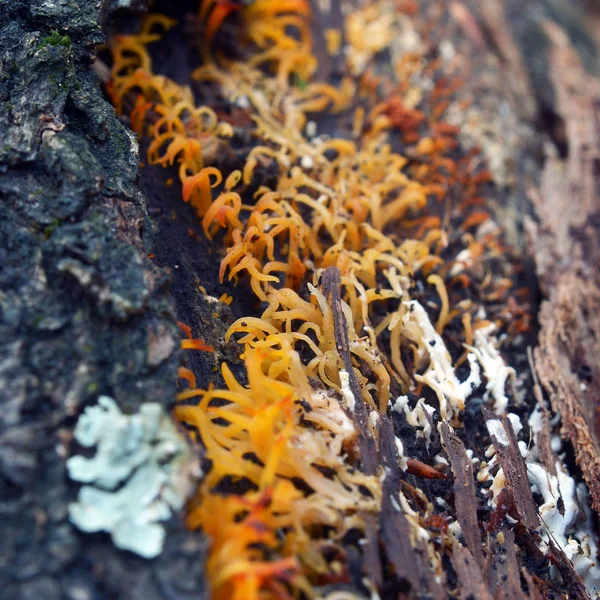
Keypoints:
(82, 310)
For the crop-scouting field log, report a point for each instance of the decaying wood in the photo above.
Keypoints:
(330, 283)
(395, 529)
(469, 574)
(566, 245)
(567, 572)
(505, 583)
(544, 440)
(496, 22)
(464, 490)
(511, 461)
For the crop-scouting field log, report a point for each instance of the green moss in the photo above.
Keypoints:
(56, 39)
(50, 228)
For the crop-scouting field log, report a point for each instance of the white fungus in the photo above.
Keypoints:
(401, 455)
(561, 519)
(440, 375)
(311, 129)
(497, 431)
(307, 162)
(515, 423)
(494, 367)
(347, 394)
(417, 417)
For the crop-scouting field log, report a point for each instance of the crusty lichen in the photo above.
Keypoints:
(138, 475)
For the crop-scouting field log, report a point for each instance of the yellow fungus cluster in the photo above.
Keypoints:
(288, 436)
(179, 130)
(263, 435)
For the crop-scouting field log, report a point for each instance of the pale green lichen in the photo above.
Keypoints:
(146, 458)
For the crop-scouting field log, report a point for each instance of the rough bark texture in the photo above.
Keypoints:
(550, 55)
(464, 489)
(567, 252)
(83, 311)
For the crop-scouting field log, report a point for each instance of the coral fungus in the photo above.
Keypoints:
(277, 430)
(380, 291)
